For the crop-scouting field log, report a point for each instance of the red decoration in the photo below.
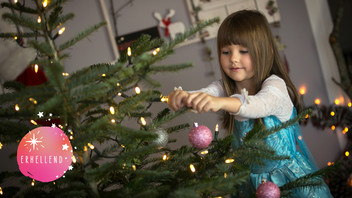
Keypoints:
(167, 22)
(200, 136)
(30, 78)
(267, 190)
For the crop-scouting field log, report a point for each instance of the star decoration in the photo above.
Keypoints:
(34, 141)
(70, 167)
(40, 114)
(65, 147)
(53, 125)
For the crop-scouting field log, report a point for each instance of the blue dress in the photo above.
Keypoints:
(282, 171)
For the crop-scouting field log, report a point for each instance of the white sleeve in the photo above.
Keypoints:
(272, 99)
(215, 89)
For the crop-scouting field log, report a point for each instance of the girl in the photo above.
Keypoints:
(255, 88)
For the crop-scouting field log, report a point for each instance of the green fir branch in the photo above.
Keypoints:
(42, 47)
(23, 21)
(12, 35)
(16, 7)
(170, 68)
(81, 36)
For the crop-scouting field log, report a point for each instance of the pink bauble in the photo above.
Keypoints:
(267, 190)
(200, 136)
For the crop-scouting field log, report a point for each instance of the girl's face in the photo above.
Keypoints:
(236, 63)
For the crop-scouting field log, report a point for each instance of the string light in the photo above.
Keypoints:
(134, 167)
(225, 175)
(228, 161)
(85, 148)
(103, 75)
(45, 3)
(74, 159)
(119, 94)
(113, 121)
(123, 146)
(62, 30)
(118, 84)
(347, 153)
(155, 52)
(32, 184)
(332, 113)
(112, 110)
(337, 101)
(333, 127)
(349, 104)
(15, 1)
(137, 90)
(1, 193)
(193, 169)
(317, 101)
(17, 108)
(345, 130)
(329, 163)
(164, 157)
(302, 90)
(164, 99)
(1, 145)
(91, 146)
(65, 74)
(33, 100)
(143, 122)
(306, 116)
(71, 137)
(204, 152)
(129, 53)
(39, 20)
(34, 122)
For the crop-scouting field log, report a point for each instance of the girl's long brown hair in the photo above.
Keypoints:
(250, 29)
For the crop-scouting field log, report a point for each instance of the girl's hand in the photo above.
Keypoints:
(203, 102)
(176, 99)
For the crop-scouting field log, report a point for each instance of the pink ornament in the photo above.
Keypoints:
(267, 190)
(200, 136)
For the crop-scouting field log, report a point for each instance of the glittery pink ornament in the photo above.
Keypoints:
(267, 190)
(200, 136)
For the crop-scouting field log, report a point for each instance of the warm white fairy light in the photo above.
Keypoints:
(91, 146)
(137, 90)
(225, 175)
(33, 100)
(204, 152)
(349, 104)
(103, 75)
(112, 110)
(345, 130)
(17, 108)
(164, 157)
(228, 161)
(32, 184)
(74, 159)
(118, 84)
(34, 122)
(39, 20)
(333, 127)
(71, 137)
(134, 167)
(317, 101)
(123, 146)
(1, 145)
(193, 169)
(119, 94)
(15, 1)
(62, 30)
(164, 99)
(337, 101)
(85, 148)
(143, 121)
(332, 113)
(65, 74)
(155, 52)
(1, 193)
(129, 52)
(347, 153)
(302, 90)
(45, 3)
(113, 121)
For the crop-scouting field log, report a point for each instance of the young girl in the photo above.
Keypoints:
(255, 88)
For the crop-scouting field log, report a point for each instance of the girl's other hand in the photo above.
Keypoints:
(176, 99)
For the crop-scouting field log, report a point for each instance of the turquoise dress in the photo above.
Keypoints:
(283, 171)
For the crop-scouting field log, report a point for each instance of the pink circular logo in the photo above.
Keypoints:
(44, 154)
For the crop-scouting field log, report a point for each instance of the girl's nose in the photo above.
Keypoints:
(235, 58)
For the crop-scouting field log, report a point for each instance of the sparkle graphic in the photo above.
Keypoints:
(34, 141)
(53, 125)
(70, 167)
(40, 114)
(65, 147)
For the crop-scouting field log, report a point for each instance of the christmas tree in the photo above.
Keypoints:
(92, 106)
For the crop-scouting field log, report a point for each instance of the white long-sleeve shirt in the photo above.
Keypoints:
(272, 99)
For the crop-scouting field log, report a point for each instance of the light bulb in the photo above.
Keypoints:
(228, 161)
(32, 184)
(112, 110)
(347, 153)
(134, 167)
(45, 3)
(317, 101)
(137, 90)
(193, 169)
(34, 122)
(129, 53)
(332, 113)
(143, 122)
(302, 90)
(164, 157)
(337, 101)
(91, 146)
(61, 31)
(39, 20)
(204, 152)
(17, 108)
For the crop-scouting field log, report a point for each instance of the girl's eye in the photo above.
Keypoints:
(243, 51)
(225, 52)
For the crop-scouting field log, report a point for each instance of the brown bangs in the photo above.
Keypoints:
(231, 32)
